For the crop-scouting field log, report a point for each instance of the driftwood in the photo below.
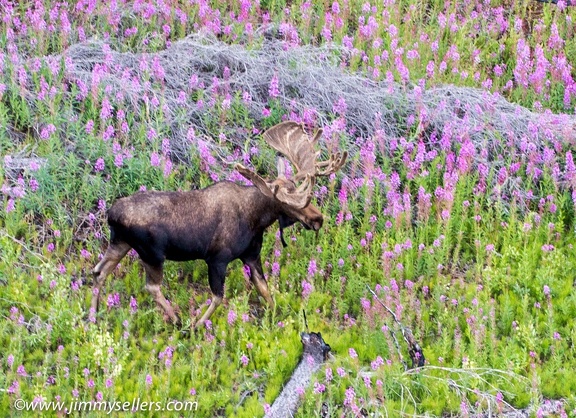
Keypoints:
(315, 353)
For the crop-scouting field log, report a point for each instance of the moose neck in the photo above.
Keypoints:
(266, 210)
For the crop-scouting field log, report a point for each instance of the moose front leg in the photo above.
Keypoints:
(216, 275)
(257, 277)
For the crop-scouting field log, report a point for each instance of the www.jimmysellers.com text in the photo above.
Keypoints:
(107, 406)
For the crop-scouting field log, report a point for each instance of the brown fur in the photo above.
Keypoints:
(218, 224)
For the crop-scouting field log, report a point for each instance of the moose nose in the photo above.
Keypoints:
(316, 225)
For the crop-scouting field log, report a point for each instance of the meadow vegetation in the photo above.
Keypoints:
(456, 206)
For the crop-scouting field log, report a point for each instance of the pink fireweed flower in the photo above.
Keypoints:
(326, 33)
(92, 315)
(555, 41)
(273, 89)
(108, 133)
(312, 268)
(99, 165)
(570, 171)
(524, 63)
(119, 160)
(350, 396)
(246, 272)
(377, 363)
(328, 374)
(167, 168)
(151, 134)
(335, 8)
(157, 69)
(319, 387)
(306, 289)
(167, 353)
(352, 353)
(13, 387)
(133, 305)
(106, 111)
(275, 269)
(340, 106)
(232, 317)
(10, 205)
(114, 300)
(47, 131)
(165, 147)
(365, 304)
(244, 360)
(154, 159)
(89, 126)
(21, 371)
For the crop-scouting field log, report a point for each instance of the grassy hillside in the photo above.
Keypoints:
(456, 206)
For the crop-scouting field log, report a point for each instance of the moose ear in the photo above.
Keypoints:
(256, 180)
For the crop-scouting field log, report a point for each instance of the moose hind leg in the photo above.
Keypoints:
(115, 252)
(154, 276)
(216, 275)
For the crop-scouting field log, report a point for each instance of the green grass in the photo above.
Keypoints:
(488, 291)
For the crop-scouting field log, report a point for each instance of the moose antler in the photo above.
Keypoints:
(297, 197)
(290, 139)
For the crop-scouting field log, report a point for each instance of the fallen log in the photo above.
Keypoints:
(315, 353)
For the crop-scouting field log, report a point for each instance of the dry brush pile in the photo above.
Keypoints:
(313, 86)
